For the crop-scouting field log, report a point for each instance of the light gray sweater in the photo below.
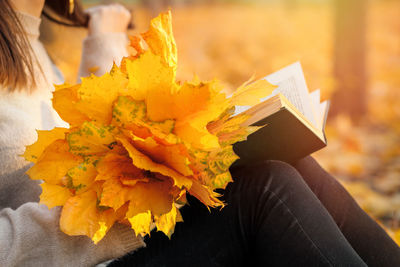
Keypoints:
(29, 232)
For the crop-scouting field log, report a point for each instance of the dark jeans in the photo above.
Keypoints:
(276, 215)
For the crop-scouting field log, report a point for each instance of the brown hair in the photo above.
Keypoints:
(16, 57)
(15, 52)
(67, 15)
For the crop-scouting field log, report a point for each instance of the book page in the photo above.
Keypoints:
(315, 97)
(291, 83)
(324, 107)
(318, 110)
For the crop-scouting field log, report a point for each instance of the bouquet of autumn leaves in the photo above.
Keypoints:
(139, 141)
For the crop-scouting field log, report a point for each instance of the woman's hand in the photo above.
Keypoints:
(108, 19)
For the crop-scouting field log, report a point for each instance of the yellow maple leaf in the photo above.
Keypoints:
(54, 195)
(144, 162)
(154, 196)
(100, 233)
(166, 222)
(136, 43)
(147, 74)
(128, 111)
(141, 222)
(139, 140)
(64, 100)
(91, 139)
(45, 138)
(115, 194)
(114, 165)
(178, 102)
(83, 175)
(80, 215)
(161, 40)
(54, 163)
(173, 156)
(196, 136)
(251, 93)
(97, 94)
(205, 195)
(397, 237)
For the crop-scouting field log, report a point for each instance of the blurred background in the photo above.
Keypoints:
(350, 49)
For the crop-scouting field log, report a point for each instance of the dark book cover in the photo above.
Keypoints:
(283, 137)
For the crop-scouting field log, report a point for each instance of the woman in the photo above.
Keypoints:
(272, 217)
(29, 233)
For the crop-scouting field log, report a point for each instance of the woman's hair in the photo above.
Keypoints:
(16, 57)
(69, 13)
(15, 52)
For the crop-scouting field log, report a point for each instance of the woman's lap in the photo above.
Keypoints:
(272, 217)
(369, 240)
(292, 227)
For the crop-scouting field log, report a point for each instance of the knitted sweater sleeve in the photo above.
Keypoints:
(99, 52)
(30, 236)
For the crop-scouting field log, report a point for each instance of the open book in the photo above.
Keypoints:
(294, 120)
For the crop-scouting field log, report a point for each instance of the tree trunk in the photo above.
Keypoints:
(350, 96)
